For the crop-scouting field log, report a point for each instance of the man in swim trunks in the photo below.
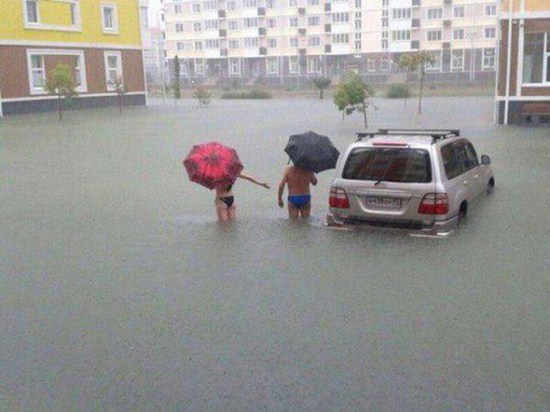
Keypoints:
(299, 198)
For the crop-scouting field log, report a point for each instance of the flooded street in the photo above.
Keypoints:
(121, 292)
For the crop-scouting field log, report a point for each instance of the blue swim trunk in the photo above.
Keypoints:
(299, 201)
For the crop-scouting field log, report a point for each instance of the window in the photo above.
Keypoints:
(457, 60)
(458, 34)
(212, 44)
(198, 45)
(433, 35)
(385, 3)
(143, 16)
(450, 162)
(32, 11)
(371, 65)
(250, 3)
(358, 4)
(384, 22)
(490, 32)
(458, 12)
(488, 62)
(434, 14)
(250, 22)
(400, 14)
(231, 5)
(401, 35)
(384, 64)
(210, 24)
(314, 42)
(340, 18)
(232, 24)
(178, 8)
(313, 21)
(292, 3)
(38, 73)
(270, 4)
(466, 155)
(180, 46)
(271, 23)
(312, 2)
(491, 10)
(293, 64)
(536, 58)
(179, 27)
(313, 64)
(435, 64)
(113, 68)
(76, 22)
(199, 68)
(384, 44)
(340, 38)
(293, 42)
(272, 66)
(233, 44)
(272, 43)
(293, 21)
(77, 71)
(210, 5)
(250, 42)
(184, 70)
(196, 8)
(388, 164)
(109, 18)
(234, 68)
(358, 24)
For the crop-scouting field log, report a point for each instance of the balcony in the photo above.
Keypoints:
(328, 48)
(302, 32)
(223, 33)
(447, 23)
(221, 14)
(263, 51)
(328, 28)
(415, 44)
(302, 11)
(261, 11)
(262, 31)
(303, 51)
(415, 23)
(416, 3)
(327, 7)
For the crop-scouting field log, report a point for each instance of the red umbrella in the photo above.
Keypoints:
(213, 164)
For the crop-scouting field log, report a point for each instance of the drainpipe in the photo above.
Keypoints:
(508, 63)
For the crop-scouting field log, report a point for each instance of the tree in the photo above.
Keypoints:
(120, 89)
(353, 95)
(62, 85)
(417, 63)
(177, 92)
(321, 83)
(202, 95)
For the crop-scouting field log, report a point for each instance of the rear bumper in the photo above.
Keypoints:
(438, 228)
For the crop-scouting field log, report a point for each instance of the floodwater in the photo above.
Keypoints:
(120, 291)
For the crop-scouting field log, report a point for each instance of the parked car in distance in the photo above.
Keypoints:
(415, 179)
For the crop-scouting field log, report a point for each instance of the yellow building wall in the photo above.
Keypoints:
(530, 5)
(57, 13)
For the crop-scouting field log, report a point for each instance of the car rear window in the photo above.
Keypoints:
(389, 164)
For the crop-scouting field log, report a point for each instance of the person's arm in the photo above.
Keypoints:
(282, 189)
(244, 176)
(313, 179)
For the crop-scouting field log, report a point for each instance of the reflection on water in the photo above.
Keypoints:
(121, 291)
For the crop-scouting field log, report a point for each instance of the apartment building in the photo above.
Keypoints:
(152, 34)
(98, 39)
(523, 90)
(284, 39)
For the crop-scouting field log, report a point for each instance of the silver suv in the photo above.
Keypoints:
(421, 180)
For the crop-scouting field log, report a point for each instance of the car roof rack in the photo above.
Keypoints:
(436, 134)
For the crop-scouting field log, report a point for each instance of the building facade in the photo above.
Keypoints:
(523, 90)
(285, 39)
(152, 34)
(99, 40)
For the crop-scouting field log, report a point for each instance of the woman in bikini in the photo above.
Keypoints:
(225, 200)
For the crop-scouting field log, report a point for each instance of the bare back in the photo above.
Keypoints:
(298, 180)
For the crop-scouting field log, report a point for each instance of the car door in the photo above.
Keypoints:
(471, 177)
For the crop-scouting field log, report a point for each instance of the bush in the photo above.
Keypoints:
(253, 94)
(398, 91)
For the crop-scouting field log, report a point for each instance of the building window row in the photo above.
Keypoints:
(536, 58)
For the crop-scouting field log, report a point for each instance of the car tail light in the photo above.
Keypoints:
(434, 204)
(338, 198)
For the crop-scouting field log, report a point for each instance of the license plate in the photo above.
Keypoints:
(383, 202)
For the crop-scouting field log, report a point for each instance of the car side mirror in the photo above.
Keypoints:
(486, 160)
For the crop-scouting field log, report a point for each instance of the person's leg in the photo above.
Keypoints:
(232, 212)
(221, 211)
(293, 212)
(306, 210)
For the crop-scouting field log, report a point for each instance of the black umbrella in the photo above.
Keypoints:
(312, 152)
